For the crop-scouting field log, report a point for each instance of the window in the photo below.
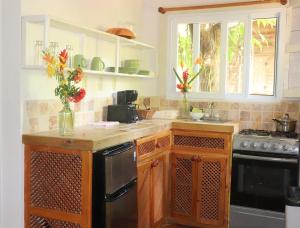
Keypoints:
(238, 52)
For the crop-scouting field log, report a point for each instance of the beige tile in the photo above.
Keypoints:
(245, 125)
(277, 115)
(222, 105)
(256, 125)
(277, 107)
(270, 126)
(234, 106)
(54, 107)
(256, 107)
(267, 116)
(244, 116)
(234, 115)
(223, 114)
(203, 105)
(53, 122)
(33, 125)
(294, 115)
(245, 106)
(164, 103)
(174, 104)
(292, 107)
(154, 102)
(256, 116)
(267, 107)
(32, 108)
(43, 108)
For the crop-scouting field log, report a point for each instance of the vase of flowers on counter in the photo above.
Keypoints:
(67, 89)
(185, 84)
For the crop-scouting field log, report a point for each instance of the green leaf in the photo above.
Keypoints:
(177, 76)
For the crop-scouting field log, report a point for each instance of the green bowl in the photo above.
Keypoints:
(122, 70)
(131, 70)
(132, 63)
(143, 72)
(110, 69)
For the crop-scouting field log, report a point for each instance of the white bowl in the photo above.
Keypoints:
(196, 115)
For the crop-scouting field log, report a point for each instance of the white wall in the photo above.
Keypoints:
(95, 14)
(11, 149)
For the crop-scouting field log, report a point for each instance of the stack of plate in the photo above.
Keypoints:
(131, 66)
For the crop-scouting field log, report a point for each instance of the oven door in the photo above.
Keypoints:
(261, 180)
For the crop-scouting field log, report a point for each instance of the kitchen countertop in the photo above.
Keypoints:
(91, 138)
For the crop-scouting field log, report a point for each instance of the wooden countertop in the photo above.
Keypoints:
(90, 138)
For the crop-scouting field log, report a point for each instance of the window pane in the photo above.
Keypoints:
(185, 46)
(263, 56)
(210, 45)
(236, 35)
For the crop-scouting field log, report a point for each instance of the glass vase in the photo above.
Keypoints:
(185, 107)
(66, 121)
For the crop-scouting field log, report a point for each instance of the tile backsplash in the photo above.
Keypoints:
(41, 115)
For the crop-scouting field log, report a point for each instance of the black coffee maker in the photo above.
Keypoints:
(124, 111)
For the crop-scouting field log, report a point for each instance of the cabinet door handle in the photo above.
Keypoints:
(154, 164)
(158, 145)
(195, 158)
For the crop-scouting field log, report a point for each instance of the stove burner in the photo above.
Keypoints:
(255, 132)
(290, 135)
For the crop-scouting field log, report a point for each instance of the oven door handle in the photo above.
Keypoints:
(261, 158)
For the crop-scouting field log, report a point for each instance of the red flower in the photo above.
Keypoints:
(63, 56)
(78, 75)
(78, 96)
(185, 75)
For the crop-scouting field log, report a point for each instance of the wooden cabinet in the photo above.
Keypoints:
(152, 155)
(200, 178)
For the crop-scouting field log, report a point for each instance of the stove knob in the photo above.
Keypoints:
(254, 145)
(244, 144)
(277, 147)
(265, 146)
(287, 147)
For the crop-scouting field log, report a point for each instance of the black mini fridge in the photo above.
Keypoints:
(115, 187)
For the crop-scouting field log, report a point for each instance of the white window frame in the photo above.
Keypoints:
(224, 17)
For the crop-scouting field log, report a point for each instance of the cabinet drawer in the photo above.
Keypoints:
(205, 141)
(148, 146)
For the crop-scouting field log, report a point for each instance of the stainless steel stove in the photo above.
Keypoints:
(264, 165)
(267, 141)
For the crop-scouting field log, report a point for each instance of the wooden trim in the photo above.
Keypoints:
(223, 5)
(27, 173)
(86, 188)
(57, 215)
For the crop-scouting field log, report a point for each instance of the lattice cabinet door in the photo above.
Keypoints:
(58, 185)
(183, 185)
(144, 194)
(211, 190)
(158, 188)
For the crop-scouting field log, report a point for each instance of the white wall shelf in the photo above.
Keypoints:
(97, 73)
(89, 42)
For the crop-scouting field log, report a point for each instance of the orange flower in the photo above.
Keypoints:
(198, 61)
(78, 76)
(63, 56)
(49, 58)
(181, 64)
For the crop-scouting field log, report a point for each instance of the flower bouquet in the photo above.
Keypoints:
(185, 83)
(67, 89)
